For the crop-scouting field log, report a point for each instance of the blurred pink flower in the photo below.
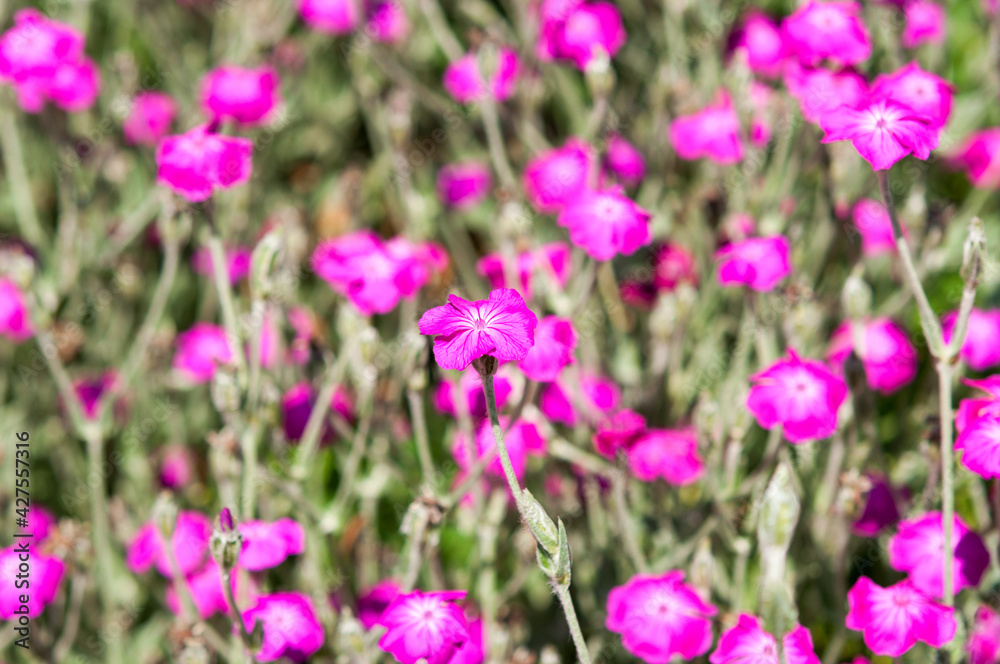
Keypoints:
(980, 350)
(41, 522)
(555, 341)
(821, 91)
(335, 17)
(291, 628)
(552, 260)
(237, 262)
(801, 395)
(175, 467)
(979, 155)
(387, 20)
(189, 542)
(924, 92)
(925, 23)
(501, 326)
(558, 176)
(618, 432)
(918, 549)
(760, 40)
(760, 125)
(673, 266)
(668, 454)
(660, 617)
(373, 602)
(883, 133)
(980, 445)
(471, 386)
(247, 96)
(881, 508)
(15, 319)
(195, 163)
(89, 392)
(970, 410)
(606, 223)
(424, 626)
(600, 396)
(576, 30)
(746, 642)
(46, 573)
(889, 359)
(200, 351)
(713, 133)
(983, 645)
(624, 160)
(832, 31)
(301, 320)
(893, 619)
(267, 545)
(464, 185)
(297, 404)
(872, 222)
(150, 118)
(523, 438)
(759, 263)
(206, 589)
(473, 651)
(465, 84)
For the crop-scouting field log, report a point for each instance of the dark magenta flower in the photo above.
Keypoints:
(918, 549)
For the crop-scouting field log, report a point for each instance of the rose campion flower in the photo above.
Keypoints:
(424, 626)
(893, 619)
(237, 263)
(873, 224)
(297, 404)
(15, 319)
(606, 223)
(746, 641)
(918, 549)
(464, 185)
(465, 84)
(246, 96)
(150, 118)
(624, 160)
(925, 22)
(471, 386)
(600, 396)
(41, 523)
(759, 40)
(888, 356)
(618, 432)
(831, 31)
(801, 395)
(760, 125)
(43, 60)
(983, 645)
(883, 132)
(387, 21)
(291, 628)
(980, 445)
(552, 260)
(979, 155)
(89, 392)
(660, 617)
(881, 508)
(335, 17)
(524, 438)
(200, 351)
(970, 410)
(555, 341)
(712, 133)
(980, 350)
(189, 541)
(206, 589)
(821, 91)
(668, 454)
(759, 263)
(195, 163)
(924, 92)
(267, 545)
(501, 327)
(46, 573)
(577, 30)
(175, 467)
(558, 176)
(473, 651)
(374, 601)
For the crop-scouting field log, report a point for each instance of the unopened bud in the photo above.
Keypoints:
(541, 525)
(225, 391)
(226, 542)
(263, 260)
(973, 253)
(599, 75)
(856, 296)
(779, 512)
(165, 515)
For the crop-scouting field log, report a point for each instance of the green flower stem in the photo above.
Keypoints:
(314, 425)
(220, 274)
(562, 592)
(416, 401)
(17, 176)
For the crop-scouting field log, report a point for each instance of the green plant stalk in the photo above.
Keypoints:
(220, 275)
(416, 401)
(314, 425)
(17, 177)
(562, 592)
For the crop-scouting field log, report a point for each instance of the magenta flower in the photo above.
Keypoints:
(624, 160)
(473, 652)
(267, 545)
(821, 91)
(553, 261)
(881, 508)
(970, 410)
(577, 30)
(44, 61)
(980, 442)
(464, 185)
(889, 359)
(872, 222)
(980, 350)
(428, 626)
(15, 319)
(668, 454)
(983, 645)
(558, 176)
(465, 84)
(41, 522)
(247, 96)
(746, 642)
(712, 133)
(801, 395)
(555, 341)
(150, 118)
(206, 589)
(618, 432)
(600, 396)
(374, 601)
(387, 20)
(979, 155)
(89, 392)
(297, 404)
(522, 439)
(761, 43)
(606, 223)
(760, 125)
(194, 164)
(925, 22)
(924, 92)
(831, 31)
(674, 265)
(883, 133)
(45, 572)
(759, 263)
(471, 386)
(200, 351)
(189, 541)
(893, 619)
(501, 326)
(335, 17)
(660, 617)
(291, 628)
(918, 549)
(175, 467)
(237, 263)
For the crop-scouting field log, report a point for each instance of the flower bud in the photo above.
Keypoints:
(856, 296)
(165, 514)
(225, 391)
(226, 542)
(973, 252)
(779, 512)
(599, 75)
(540, 523)
(262, 262)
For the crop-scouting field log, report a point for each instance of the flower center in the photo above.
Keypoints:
(479, 324)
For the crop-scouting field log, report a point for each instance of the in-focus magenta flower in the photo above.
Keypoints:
(746, 642)
(200, 351)
(925, 23)
(44, 575)
(618, 432)
(522, 439)
(555, 341)
(872, 222)
(558, 176)
(237, 263)
(881, 508)
(660, 617)
(189, 541)
(712, 133)
(150, 118)
(197, 162)
(335, 17)
(924, 92)
(373, 602)
(247, 96)
(465, 84)
(577, 30)
(552, 261)
(44, 61)
(606, 223)
(830, 31)
(624, 160)
(470, 385)
(983, 645)
(970, 410)
(979, 155)
(599, 396)
(759, 263)
(821, 91)
(668, 454)
(980, 445)
(424, 626)
(267, 545)
(761, 43)
(893, 619)
(15, 320)
(889, 359)
(883, 132)
(291, 628)
(918, 549)
(980, 350)
(501, 327)
(464, 185)
(801, 395)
